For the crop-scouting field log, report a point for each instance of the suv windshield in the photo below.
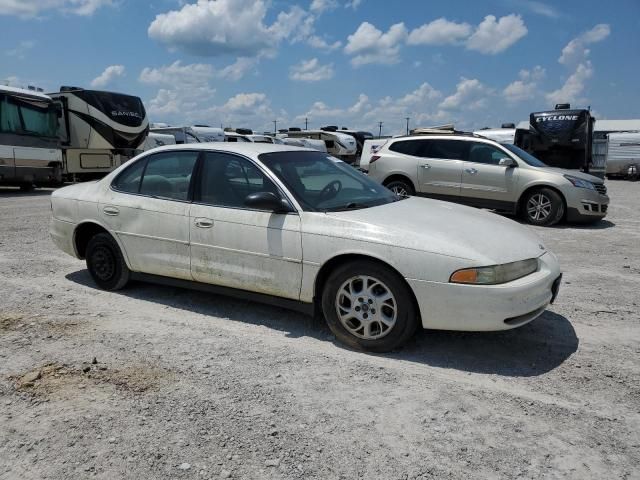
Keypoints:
(525, 156)
(321, 182)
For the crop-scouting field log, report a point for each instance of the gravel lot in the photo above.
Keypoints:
(189, 385)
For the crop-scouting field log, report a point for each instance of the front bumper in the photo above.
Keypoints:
(451, 306)
(585, 205)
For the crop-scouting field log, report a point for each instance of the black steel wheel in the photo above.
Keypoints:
(106, 263)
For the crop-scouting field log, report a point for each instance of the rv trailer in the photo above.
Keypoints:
(181, 135)
(504, 134)
(98, 130)
(560, 138)
(208, 134)
(155, 140)
(29, 145)
(338, 144)
(623, 155)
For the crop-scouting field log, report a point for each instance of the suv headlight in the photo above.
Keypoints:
(495, 274)
(578, 182)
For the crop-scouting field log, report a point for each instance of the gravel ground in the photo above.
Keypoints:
(155, 382)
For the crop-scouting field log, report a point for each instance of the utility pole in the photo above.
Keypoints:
(275, 126)
(379, 129)
(306, 123)
(407, 119)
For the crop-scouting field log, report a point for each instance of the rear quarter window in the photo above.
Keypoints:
(406, 147)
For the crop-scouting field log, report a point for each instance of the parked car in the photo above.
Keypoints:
(480, 172)
(302, 229)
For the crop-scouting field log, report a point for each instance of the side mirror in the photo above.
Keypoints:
(267, 201)
(507, 162)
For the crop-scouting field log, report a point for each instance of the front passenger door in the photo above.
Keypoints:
(486, 183)
(239, 247)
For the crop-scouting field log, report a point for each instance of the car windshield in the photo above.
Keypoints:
(321, 182)
(525, 156)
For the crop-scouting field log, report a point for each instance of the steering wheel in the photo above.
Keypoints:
(332, 187)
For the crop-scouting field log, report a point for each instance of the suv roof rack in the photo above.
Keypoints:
(447, 129)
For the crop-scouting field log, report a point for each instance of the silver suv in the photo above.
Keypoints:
(476, 171)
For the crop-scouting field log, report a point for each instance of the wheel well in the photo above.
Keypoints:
(398, 176)
(333, 263)
(538, 187)
(84, 232)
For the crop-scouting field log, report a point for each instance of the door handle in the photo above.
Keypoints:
(471, 171)
(111, 211)
(203, 223)
(426, 166)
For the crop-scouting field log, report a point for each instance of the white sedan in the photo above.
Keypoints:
(302, 229)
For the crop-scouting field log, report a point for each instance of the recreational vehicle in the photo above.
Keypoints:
(235, 137)
(208, 134)
(29, 145)
(623, 155)
(359, 135)
(504, 134)
(560, 138)
(338, 144)
(180, 134)
(155, 140)
(98, 130)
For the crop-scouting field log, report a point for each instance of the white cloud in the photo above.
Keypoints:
(321, 44)
(526, 87)
(575, 51)
(493, 35)
(32, 8)
(539, 8)
(227, 27)
(237, 69)
(321, 6)
(311, 71)
(245, 102)
(108, 76)
(177, 74)
(21, 50)
(470, 94)
(370, 45)
(573, 87)
(354, 4)
(439, 32)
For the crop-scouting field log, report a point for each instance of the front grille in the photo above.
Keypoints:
(601, 188)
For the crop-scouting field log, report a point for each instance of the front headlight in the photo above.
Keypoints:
(495, 274)
(578, 182)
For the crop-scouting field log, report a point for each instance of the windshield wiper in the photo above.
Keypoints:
(348, 206)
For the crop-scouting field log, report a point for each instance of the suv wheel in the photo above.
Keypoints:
(368, 307)
(543, 207)
(402, 188)
(106, 263)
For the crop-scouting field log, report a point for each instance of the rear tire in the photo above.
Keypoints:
(402, 188)
(543, 207)
(369, 307)
(106, 263)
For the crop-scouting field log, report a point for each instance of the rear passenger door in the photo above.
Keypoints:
(440, 166)
(486, 183)
(148, 210)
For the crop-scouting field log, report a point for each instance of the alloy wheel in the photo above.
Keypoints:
(539, 207)
(366, 307)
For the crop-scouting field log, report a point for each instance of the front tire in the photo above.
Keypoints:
(402, 188)
(369, 307)
(106, 263)
(543, 207)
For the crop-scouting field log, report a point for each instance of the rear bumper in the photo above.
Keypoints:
(62, 235)
(450, 306)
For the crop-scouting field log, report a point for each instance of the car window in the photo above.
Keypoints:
(407, 147)
(485, 153)
(168, 175)
(227, 179)
(129, 180)
(445, 149)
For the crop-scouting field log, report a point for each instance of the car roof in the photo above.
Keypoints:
(245, 148)
(444, 136)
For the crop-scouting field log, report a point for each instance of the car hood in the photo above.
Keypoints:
(575, 173)
(442, 228)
